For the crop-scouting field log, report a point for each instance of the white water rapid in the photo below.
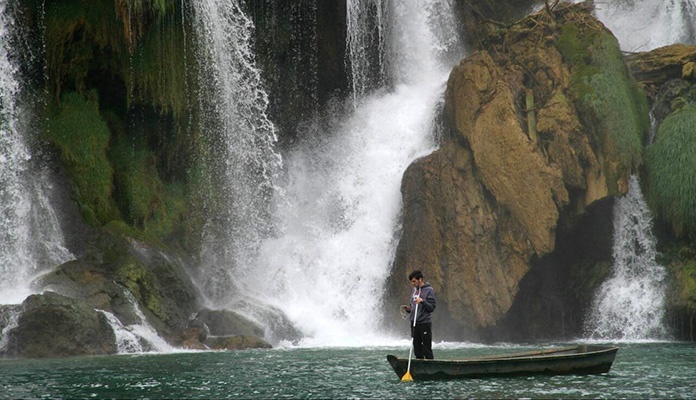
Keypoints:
(338, 218)
(31, 239)
(630, 305)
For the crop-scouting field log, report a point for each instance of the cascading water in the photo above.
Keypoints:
(642, 25)
(30, 235)
(136, 338)
(630, 305)
(327, 267)
(241, 144)
(365, 32)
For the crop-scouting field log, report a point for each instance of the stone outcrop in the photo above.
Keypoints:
(223, 330)
(528, 150)
(655, 68)
(131, 280)
(51, 325)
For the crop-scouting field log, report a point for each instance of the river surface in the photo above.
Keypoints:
(641, 370)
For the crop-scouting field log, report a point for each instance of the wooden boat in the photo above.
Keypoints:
(575, 360)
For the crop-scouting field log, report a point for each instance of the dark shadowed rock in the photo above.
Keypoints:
(52, 325)
(226, 323)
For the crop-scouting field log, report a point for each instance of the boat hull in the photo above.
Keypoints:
(576, 360)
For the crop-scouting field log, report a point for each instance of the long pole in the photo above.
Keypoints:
(407, 376)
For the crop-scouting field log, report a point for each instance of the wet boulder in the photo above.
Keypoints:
(51, 325)
(226, 323)
(222, 330)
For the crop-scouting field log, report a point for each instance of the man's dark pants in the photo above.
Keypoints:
(422, 341)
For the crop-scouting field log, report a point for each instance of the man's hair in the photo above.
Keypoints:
(415, 274)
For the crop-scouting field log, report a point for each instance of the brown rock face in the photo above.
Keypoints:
(517, 165)
(654, 68)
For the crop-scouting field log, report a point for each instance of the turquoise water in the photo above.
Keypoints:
(641, 370)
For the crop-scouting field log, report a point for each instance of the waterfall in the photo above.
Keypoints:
(365, 33)
(139, 337)
(30, 235)
(339, 216)
(642, 25)
(241, 142)
(630, 305)
(126, 341)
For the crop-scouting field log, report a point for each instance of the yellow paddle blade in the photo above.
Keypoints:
(407, 377)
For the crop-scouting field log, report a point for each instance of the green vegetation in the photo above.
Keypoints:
(610, 103)
(121, 111)
(82, 137)
(143, 284)
(671, 162)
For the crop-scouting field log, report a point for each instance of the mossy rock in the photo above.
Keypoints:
(610, 103)
(52, 325)
(91, 284)
(118, 270)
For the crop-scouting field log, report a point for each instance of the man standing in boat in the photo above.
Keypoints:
(422, 297)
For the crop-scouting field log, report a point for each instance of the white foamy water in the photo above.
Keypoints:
(31, 238)
(129, 338)
(240, 138)
(338, 220)
(126, 340)
(642, 25)
(363, 17)
(630, 305)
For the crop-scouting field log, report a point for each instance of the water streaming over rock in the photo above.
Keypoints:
(339, 217)
(630, 305)
(31, 239)
(139, 337)
(240, 139)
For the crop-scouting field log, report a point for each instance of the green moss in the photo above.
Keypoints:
(82, 138)
(609, 102)
(671, 162)
(131, 54)
(140, 189)
(144, 200)
(162, 75)
(142, 283)
(81, 35)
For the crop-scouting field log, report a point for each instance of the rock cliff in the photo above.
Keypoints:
(535, 137)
